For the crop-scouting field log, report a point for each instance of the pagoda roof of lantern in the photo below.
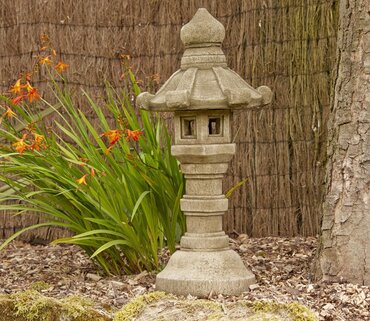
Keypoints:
(204, 81)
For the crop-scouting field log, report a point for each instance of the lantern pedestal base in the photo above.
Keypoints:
(204, 272)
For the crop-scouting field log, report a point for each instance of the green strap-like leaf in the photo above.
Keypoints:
(108, 245)
(235, 187)
(137, 204)
(102, 231)
(15, 235)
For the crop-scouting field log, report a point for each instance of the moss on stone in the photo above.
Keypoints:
(295, 311)
(299, 312)
(146, 305)
(7, 309)
(263, 316)
(39, 285)
(215, 316)
(201, 304)
(212, 309)
(137, 305)
(77, 307)
(30, 305)
(134, 308)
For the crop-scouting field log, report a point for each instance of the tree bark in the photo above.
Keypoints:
(344, 252)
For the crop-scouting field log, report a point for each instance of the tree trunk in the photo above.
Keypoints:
(344, 253)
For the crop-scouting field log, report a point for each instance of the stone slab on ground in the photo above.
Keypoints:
(160, 306)
(31, 305)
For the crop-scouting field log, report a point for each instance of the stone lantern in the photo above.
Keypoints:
(203, 95)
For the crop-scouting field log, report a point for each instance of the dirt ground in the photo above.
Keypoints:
(282, 267)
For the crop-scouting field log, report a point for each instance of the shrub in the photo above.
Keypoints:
(116, 187)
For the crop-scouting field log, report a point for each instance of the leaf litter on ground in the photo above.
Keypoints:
(283, 269)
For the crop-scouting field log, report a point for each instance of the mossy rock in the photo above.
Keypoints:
(160, 306)
(30, 305)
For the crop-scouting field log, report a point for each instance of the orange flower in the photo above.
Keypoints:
(82, 180)
(20, 145)
(33, 95)
(113, 135)
(38, 138)
(38, 142)
(17, 100)
(9, 113)
(44, 60)
(17, 87)
(61, 66)
(92, 172)
(133, 134)
(28, 86)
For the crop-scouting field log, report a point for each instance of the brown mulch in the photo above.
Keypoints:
(282, 267)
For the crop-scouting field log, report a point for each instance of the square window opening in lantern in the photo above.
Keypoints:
(188, 129)
(215, 126)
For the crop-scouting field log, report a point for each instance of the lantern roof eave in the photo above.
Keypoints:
(204, 80)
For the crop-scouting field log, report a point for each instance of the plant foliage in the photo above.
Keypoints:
(114, 185)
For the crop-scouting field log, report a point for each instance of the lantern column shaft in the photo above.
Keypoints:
(204, 205)
(205, 264)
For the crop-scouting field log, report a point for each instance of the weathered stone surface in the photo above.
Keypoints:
(204, 28)
(159, 306)
(200, 273)
(204, 80)
(206, 154)
(205, 241)
(203, 94)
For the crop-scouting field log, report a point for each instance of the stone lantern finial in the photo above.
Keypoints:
(201, 30)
